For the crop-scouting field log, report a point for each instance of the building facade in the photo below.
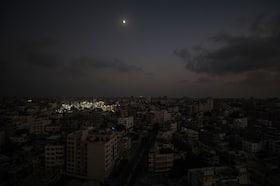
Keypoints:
(91, 154)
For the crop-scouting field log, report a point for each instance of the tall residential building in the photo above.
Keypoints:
(54, 153)
(76, 155)
(38, 126)
(161, 158)
(54, 156)
(91, 154)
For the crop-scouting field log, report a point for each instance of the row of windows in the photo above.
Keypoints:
(54, 153)
(55, 162)
(55, 148)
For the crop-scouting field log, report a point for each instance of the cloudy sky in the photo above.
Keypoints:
(174, 48)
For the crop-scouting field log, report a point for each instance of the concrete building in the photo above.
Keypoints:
(102, 154)
(161, 116)
(188, 135)
(76, 155)
(272, 140)
(192, 135)
(240, 122)
(19, 139)
(161, 158)
(98, 118)
(54, 152)
(166, 116)
(54, 156)
(201, 177)
(37, 126)
(252, 145)
(173, 127)
(52, 129)
(124, 144)
(275, 146)
(128, 122)
(210, 158)
(243, 175)
(210, 176)
(91, 154)
(204, 105)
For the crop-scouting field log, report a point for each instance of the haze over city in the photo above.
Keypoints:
(149, 48)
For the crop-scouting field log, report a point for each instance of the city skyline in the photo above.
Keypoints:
(158, 48)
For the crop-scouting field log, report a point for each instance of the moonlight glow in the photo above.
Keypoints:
(123, 21)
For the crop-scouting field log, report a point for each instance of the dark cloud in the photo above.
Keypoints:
(261, 83)
(258, 79)
(123, 67)
(258, 49)
(40, 53)
(183, 81)
(261, 78)
(8, 57)
(45, 54)
(202, 80)
(39, 68)
(197, 81)
(259, 25)
(96, 64)
(44, 43)
(182, 53)
(44, 59)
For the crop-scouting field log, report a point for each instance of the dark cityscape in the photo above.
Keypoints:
(140, 93)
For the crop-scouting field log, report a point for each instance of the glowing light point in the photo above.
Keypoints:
(123, 21)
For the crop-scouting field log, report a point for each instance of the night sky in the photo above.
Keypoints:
(173, 48)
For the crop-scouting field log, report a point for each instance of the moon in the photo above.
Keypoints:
(123, 21)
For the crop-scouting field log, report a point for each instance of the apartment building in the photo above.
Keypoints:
(91, 154)
(128, 122)
(37, 126)
(161, 158)
(54, 156)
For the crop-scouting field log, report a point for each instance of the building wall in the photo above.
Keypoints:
(96, 161)
(54, 156)
(240, 122)
(18, 139)
(128, 122)
(160, 162)
(275, 146)
(51, 129)
(161, 116)
(102, 153)
(90, 154)
(37, 127)
(76, 158)
(251, 146)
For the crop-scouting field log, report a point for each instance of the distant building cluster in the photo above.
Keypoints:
(140, 141)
